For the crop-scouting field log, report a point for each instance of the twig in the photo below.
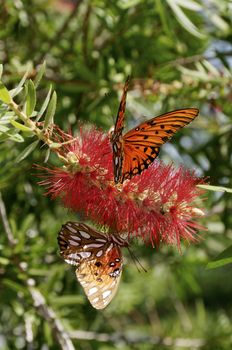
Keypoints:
(135, 339)
(5, 223)
(191, 59)
(49, 315)
(45, 311)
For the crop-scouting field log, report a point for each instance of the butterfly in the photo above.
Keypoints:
(98, 259)
(137, 149)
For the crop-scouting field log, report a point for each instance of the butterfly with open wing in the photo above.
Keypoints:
(138, 148)
(98, 259)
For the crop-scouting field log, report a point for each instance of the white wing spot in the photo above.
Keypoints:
(73, 242)
(94, 245)
(74, 256)
(95, 300)
(85, 234)
(76, 238)
(71, 262)
(85, 254)
(99, 253)
(92, 290)
(101, 240)
(71, 228)
(106, 294)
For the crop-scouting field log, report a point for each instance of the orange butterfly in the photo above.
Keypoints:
(137, 149)
(98, 259)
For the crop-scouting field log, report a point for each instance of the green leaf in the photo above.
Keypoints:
(184, 20)
(67, 300)
(15, 136)
(126, 4)
(20, 126)
(49, 116)
(4, 261)
(1, 70)
(3, 128)
(222, 259)
(27, 151)
(190, 4)
(31, 98)
(40, 74)
(48, 152)
(55, 145)
(18, 89)
(14, 285)
(45, 104)
(4, 94)
(216, 188)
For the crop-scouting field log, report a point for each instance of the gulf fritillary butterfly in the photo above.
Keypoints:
(137, 149)
(98, 259)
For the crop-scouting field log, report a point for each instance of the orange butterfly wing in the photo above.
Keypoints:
(119, 125)
(98, 260)
(142, 144)
(100, 277)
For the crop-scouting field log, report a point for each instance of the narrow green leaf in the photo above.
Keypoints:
(216, 188)
(40, 74)
(27, 151)
(45, 104)
(67, 300)
(3, 128)
(1, 70)
(55, 145)
(49, 116)
(31, 98)
(4, 261)
(190, 4)
(20, 126)
(184, 20)
(15, 136)
(18, 89)
(222, 259)
(17, 287)
(126, 4)
(4, 94)
(48, 152)
(212, 69)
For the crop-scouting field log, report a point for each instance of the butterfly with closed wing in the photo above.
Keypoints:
(97, 257)
(138, 148)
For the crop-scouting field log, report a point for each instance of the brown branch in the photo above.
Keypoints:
(60, 334)
(135, 339)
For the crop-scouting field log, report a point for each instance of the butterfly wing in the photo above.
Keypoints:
(116, 135)
(119, 125)
(100, 277)
(141, 145)
(97, 258)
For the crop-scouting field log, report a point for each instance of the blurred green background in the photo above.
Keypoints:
(179, 53)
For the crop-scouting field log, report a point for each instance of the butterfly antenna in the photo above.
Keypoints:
(136, 260)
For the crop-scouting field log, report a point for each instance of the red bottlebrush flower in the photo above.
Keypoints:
(157, 205)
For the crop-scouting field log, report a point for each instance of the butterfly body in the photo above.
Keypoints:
(138, 148)
(98, 259)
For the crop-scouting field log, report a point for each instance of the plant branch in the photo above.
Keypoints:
(41, 134)
(135, 339)
(49, 315)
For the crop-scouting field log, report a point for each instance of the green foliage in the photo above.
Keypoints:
(179, 55)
